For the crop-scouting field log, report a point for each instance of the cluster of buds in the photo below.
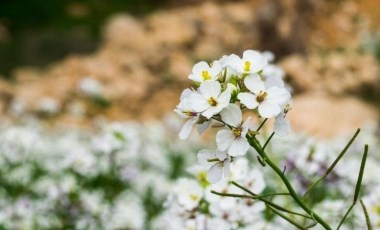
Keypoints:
(222, 91)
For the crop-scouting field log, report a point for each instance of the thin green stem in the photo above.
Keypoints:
(358, 185)
(274, 194)
(287, 218)
(361, 172)
(231, 195)
(261, 125)
(367, 220)
(285, 180)
(267, 202)
(345, 215)
(267, 142)
(308, 191)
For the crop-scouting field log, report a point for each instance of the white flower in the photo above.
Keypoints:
(183, 110)
(227, 65)
(219, 163)
(90, 86)
(252, 62)
(203, 72)
(49, 105)
(233, 140)
(269, 99)
(209, 100)
(188, 193)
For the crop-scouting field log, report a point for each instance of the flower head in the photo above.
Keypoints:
(218, 163)
(251, 62)
(203, 72)
(209, 100)
(268, 99)
(233, 140)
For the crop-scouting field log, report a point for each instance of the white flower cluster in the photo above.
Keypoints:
(306, 160)
(191, 205)
(78, 180)
(223, 91)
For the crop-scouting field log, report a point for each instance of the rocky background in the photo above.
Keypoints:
(328, 49)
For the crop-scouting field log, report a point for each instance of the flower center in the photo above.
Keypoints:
(261, 97)
(189, 113)
(247, 66)
(236, 132)
(212, 101)
(206, 75)
(193, 197)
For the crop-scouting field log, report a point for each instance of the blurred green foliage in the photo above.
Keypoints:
(42, 31)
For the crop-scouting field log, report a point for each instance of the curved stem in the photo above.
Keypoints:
(257, 197)
(287, 218)
(308, 191)
(285, 180)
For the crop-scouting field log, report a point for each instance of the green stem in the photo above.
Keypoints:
(332, 165)
(367, 220)
(345, 215)
(285, 180)
(358, 185)
(287, 218)
(261, 125)
(258, 197)
(267, 142)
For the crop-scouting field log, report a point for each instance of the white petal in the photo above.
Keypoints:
(216, 69)
(210, 89)
(274, 81)
(186, 94)
(186, 129)
(211, 111)
(224, 139)
(251, 54)
(258, 61)
(224, 99)
(277, 95)
(195, 77)
(248, 99)
(281, 125)
(221, 155)
(268, 110)
(232, 115)
(238, 147)
(215, 173)
(198, 103)
(226, 167)
(199, 67)
(245, 127)
(254, 83)
(204, 155)
(202, 127)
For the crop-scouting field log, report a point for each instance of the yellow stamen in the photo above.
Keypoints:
(212, 101)
(206, 75)
(261, 97)
(247, 66)
(193, 197)
(237, 132)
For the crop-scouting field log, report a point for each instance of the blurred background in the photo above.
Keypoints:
(73, 61)
(70, 69)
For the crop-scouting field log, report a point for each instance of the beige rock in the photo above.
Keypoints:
(327, 116)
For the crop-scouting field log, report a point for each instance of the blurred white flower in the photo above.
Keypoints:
(90, 86)
(218, 164)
